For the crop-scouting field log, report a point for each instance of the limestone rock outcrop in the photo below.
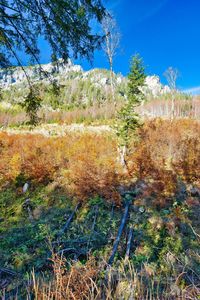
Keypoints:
(16, 75)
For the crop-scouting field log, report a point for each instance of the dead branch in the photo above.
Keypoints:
(128, 247)
(93, 225)
(119, 234)
(8, 271)
(95, 218)
(66, 226)
(75, 251)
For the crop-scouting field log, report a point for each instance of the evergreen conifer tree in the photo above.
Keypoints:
(128, 119)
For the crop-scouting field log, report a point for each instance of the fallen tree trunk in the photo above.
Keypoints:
(95, 219)
(128, 247)
(8, 271)
(112, 212)
(66, 226)
(73, 251)
(93, 226)
(119, 234)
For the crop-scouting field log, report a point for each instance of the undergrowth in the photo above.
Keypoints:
(81, 173)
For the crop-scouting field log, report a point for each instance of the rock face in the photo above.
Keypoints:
(154, 87)
(61, 69)
(16, 75)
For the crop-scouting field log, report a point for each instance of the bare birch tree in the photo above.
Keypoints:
(111, 44)
(172, 75)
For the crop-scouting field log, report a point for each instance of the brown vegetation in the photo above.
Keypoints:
(83, 163)
(163, 161)
(167, 150)
(96, 113)
(87, 165)
(84, 282)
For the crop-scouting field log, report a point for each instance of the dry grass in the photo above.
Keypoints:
(10, 119)
(98, 282)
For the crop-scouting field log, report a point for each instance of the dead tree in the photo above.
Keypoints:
(112, 42)
(172, 75)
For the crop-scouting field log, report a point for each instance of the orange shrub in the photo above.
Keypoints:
(85, 164)
(32, 156)
(93, 168)
(167, 149)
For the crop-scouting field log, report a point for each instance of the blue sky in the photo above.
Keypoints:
(165, 33)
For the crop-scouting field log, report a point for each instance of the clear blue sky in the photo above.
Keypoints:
(165, 33)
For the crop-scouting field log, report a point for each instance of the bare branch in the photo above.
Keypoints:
(172, 75)
(112, 38)
(112, 42)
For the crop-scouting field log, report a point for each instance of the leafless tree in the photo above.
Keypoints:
(172, 75)
(112, 42)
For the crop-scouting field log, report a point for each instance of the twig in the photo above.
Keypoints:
(194, 232)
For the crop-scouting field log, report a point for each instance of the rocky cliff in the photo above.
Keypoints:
(59, 70)
(15, 75)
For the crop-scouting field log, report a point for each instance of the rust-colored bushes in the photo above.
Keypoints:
(93, 168)
(32, 156)
(167, 149)
(85, 164)
(188, 164)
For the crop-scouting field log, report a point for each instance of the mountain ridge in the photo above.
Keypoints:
(61, 70)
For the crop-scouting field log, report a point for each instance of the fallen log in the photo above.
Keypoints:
(119, 234)
(128, 247)
(8, 271)
(68, 250)
(95, 218)
(74, 251)
(66, 226)
(93, 225)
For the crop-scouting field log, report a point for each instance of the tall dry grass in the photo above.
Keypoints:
(98, 281)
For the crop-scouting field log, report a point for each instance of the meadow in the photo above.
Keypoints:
(79, 195)
(99, 171)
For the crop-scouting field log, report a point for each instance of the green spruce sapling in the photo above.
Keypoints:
(128, 119)
(31, 104)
